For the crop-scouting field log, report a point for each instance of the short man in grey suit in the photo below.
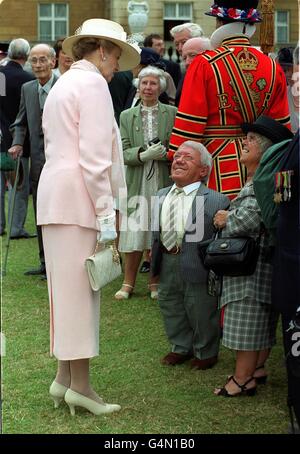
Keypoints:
(33, 97)
(190, 315)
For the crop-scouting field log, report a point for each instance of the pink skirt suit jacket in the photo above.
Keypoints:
(82, 173)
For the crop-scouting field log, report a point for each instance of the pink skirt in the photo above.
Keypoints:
(74, 307)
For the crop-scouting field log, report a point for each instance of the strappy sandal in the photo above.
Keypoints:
(244, 391)
(154, 292)
(262, 380)
(122, 294)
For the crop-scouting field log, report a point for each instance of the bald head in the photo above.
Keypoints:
(42, 59)
(194, 47)
(45, 48)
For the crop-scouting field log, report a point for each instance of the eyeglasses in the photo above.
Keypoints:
(183, 157)
(41, 60)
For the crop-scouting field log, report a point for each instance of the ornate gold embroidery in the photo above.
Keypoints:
(237, 107)
(261, 83)
(249, 78)
(247, 60)
(223, 101)
(255, 96)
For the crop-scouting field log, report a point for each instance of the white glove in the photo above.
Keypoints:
(156, 151)
(106, 226)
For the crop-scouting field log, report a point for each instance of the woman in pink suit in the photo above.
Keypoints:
(82, 176)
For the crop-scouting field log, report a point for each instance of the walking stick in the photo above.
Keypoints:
(10, 221)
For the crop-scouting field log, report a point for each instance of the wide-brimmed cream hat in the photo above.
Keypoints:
(112, 31)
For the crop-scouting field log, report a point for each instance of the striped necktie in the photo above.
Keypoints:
(42, 97)
(170, 235)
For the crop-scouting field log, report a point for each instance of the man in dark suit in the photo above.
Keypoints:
(181, 34)
(29, 118)
(15, 77)
(156, 42)
(190, 314)
(119, 87)
(286, 273)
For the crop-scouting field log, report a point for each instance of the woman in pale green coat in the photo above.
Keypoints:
(147, 169)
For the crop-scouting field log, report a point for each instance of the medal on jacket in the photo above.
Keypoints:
(277, 196)
(283, 186)
(290, 173)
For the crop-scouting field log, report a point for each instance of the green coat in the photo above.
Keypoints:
(133, 139)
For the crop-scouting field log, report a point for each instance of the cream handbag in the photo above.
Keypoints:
(103, 266)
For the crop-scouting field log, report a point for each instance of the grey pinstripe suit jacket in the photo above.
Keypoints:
(190, 262)
(30, 118)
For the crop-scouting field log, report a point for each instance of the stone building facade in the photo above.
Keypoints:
(42, 20)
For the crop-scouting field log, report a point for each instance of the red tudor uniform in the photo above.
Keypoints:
(217, 97)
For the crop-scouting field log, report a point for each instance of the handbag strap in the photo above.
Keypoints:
(101, 246)
(217, 234)
(262, 230)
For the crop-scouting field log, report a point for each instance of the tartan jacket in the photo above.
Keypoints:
(223, 88)
(244, 219)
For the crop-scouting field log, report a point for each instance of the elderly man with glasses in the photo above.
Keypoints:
(180, 35)
(29, 119)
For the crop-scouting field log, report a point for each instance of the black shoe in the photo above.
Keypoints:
(145, 268)
(36, 271)
(25, 235)
(30, 235)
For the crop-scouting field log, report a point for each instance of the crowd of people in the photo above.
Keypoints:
(108, 157)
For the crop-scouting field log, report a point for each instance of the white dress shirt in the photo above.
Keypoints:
(184, 207)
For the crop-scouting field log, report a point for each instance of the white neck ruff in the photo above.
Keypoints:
(231, 29)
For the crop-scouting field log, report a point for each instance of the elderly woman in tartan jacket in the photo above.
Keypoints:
(249, 319)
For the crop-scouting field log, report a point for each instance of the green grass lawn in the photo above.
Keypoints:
(154, 398)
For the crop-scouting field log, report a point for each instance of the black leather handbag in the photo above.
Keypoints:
(232, 256)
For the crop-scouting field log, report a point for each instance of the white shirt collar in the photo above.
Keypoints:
(188, 188)
(47, 86)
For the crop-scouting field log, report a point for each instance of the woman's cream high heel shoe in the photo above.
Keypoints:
(74, 399)
(57, 392)
(122, 294)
